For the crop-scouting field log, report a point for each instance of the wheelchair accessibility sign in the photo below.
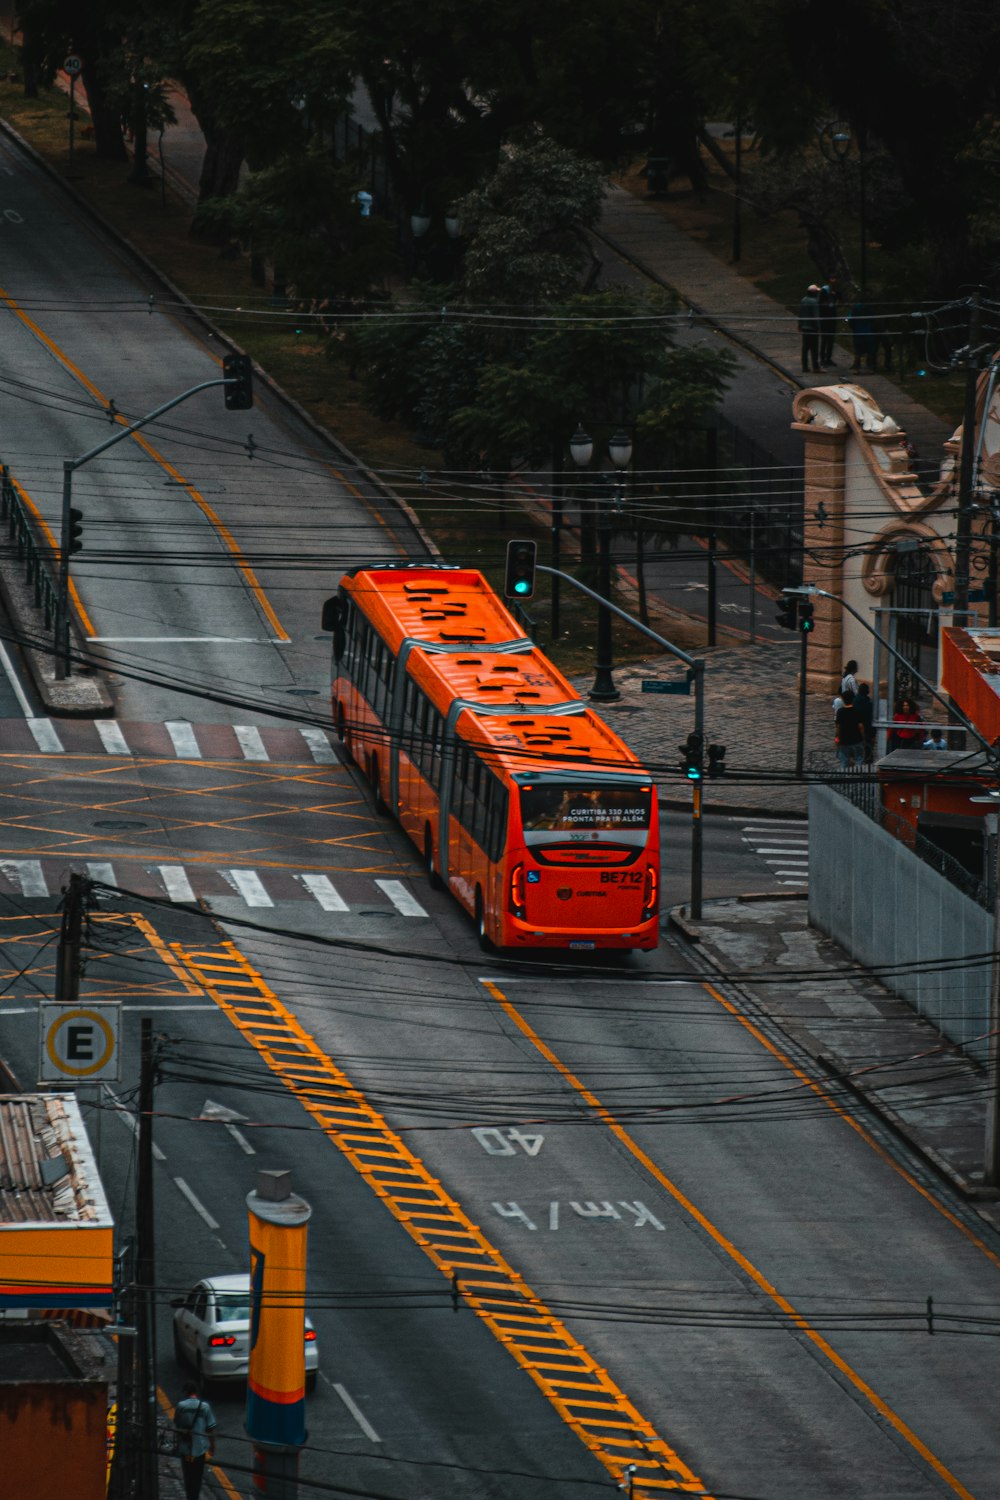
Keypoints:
(78, 1043)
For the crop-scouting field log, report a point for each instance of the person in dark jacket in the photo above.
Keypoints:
(828, 308)
(809, 328)
(850, 733)
(861, 321)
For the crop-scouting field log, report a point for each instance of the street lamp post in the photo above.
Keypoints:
(620, 451)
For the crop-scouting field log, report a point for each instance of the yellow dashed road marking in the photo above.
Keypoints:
(580, 1390)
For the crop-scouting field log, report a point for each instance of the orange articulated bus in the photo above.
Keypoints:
(534, 814)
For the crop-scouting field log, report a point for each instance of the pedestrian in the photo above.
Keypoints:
(809, 328)
(862, 326)
(866, 713)
(828, 308)
(194, 1423)
(850, 733)
(849, 681)
(903, 736)
(935, 740)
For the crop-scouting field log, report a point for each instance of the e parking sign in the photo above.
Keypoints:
(78, 1043)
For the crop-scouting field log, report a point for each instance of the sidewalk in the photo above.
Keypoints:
(872, 1046)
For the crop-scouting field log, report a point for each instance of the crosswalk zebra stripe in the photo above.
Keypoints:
(322, 889)
(105, 874)
(405, 904)
(111, 737)
(250, 742)
(320, 748)
(45, 737)
(27, 874)
(249, 885)
(176, 883)
(182, 736)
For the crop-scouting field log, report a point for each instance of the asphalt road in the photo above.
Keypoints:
(669, 1242)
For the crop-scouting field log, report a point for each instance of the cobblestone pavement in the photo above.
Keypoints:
(751, 704)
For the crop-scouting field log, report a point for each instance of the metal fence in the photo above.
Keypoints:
(39, 562)
(864, 792)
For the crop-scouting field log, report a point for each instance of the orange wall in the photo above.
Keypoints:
(53, 1440)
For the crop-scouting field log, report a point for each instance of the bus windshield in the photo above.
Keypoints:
(576, 808)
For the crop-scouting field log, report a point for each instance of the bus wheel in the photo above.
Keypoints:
(481, 933)
(433, 878)
(381, 806)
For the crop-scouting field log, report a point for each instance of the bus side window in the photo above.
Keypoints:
(435, 727)
(477, 822)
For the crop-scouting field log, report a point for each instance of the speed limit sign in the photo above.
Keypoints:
(73, 65)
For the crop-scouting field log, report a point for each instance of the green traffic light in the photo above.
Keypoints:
(521, 586)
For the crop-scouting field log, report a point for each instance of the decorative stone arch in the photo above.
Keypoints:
(879, 567)
(861, 499)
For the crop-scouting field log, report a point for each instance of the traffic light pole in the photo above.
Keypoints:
(697, 667)
(60, 643)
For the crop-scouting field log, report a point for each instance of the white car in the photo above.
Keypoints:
(212, 1330)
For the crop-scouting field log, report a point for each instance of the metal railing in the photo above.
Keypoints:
(864, 792)
(39, 561)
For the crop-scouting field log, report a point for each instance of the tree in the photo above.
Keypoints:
(94, 31)
(302, 213)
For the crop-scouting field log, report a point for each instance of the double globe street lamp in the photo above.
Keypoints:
(581, 449)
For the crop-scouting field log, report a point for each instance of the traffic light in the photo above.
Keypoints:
(788, 612)
(716, 760)
(806, 611)
(238, 369)
(692, 751)
(519, 578)
(74, 541)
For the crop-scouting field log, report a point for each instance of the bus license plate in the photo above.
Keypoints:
(583, 945)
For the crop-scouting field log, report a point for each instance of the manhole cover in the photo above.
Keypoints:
(118, 823)
(381, 912)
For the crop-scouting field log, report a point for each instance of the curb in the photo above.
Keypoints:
(84, 695)
(692, 934)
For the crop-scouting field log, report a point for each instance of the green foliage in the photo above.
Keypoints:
(271, 75)
(524, 228)
(497, 399)
(302, 212)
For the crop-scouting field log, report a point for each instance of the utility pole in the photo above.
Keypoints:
(70, 938)
(145, 1292)
(556, 533)
(967, 465)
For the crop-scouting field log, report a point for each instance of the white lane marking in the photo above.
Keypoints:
(45, 736)
(111, 737)
(250, 742)
(775, 827)
(11, 676)
(129, 1120)
(176, 883)
(249, 885)
(196, 1203)
(320, 748)
(26, 873)
(184, 742)
(186, 640)
(575, 983)
(103, 873)
(405, 904)
(357, 1414)
(323, 890)
(778, 849)
(228, 1117)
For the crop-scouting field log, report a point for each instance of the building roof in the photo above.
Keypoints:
(47, 1170)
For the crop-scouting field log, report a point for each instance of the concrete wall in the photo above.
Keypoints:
(884, 905)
